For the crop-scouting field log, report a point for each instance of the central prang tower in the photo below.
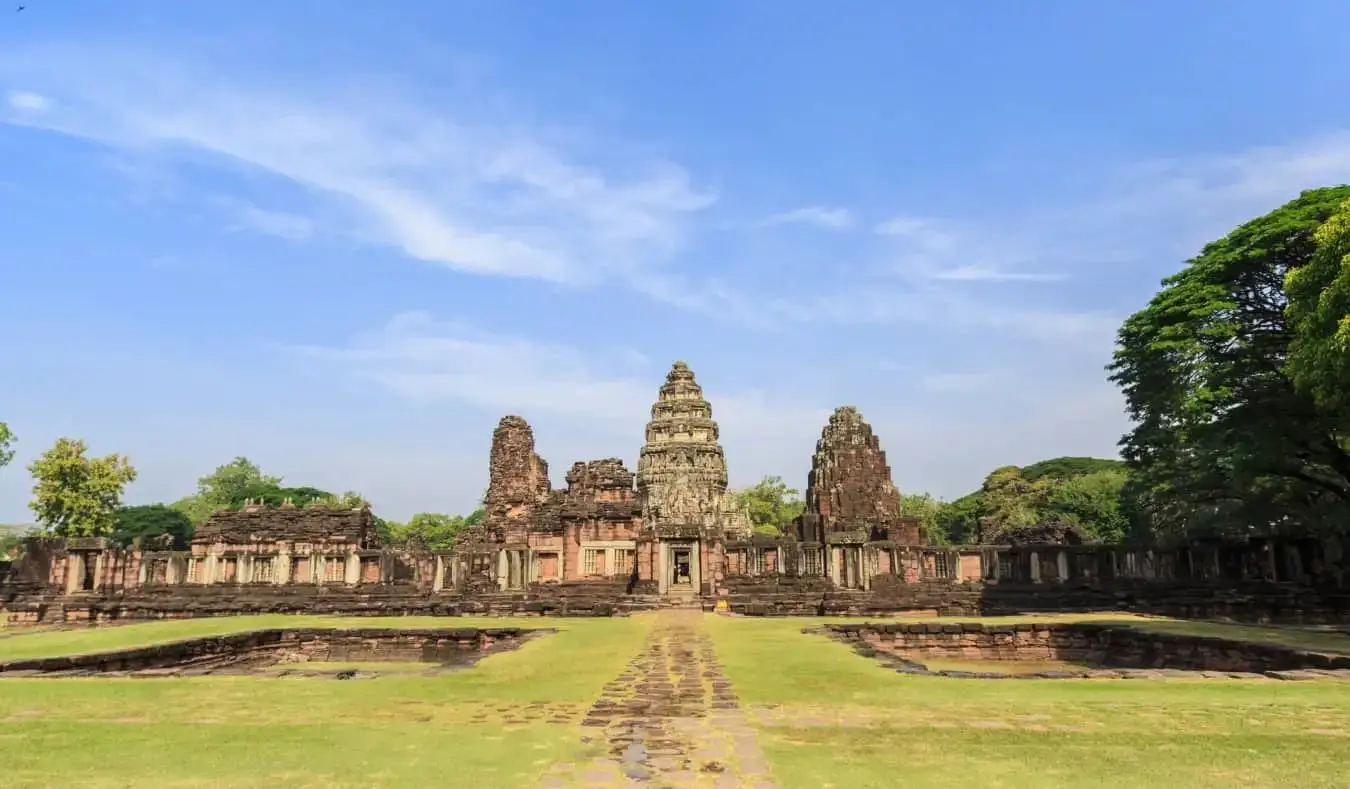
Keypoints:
(682, 471)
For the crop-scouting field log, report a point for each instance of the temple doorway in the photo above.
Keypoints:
(681, 569)
(678, 567)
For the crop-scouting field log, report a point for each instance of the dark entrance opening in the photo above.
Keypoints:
(680, 569)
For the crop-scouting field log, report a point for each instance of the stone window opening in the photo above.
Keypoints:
(1006, 567)
(334, 569)
(193, 570)
(942, 565)
(229, 569)
(757, 562)
(625, 561)
(591, 563)
(262, 570)
(811, 561)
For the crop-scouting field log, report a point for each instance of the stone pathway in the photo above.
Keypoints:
(670, 719)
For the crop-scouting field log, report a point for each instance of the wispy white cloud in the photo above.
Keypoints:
(420, 358)
(819, 216)
(290, 227)
(26, 101)
(581, 403)
(953, 251)
(474, 193)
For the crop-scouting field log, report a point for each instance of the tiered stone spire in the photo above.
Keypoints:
(850, 486)
(682, 472)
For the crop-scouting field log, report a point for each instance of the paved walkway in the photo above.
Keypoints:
(670, 719)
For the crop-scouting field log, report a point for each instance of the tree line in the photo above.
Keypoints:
(78, 495)
(1083, 492)
(1236, 376)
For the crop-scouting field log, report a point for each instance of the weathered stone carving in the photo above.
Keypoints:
(682, 471)
(518, 483)
(849, 488)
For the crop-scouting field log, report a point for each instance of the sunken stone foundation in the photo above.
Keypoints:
(1093, 650)
(258, 649)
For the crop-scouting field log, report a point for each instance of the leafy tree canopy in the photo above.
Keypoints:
(1319, 314)
(75, 495)
(431, 530)
(1083, 491)
(1069, 467)
(929, 511)
(772, 505)
(1238, 426)
(226, 488)
(152, 520)
(7, 440)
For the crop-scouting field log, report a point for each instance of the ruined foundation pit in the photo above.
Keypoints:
(1076, 651)
(341, 653)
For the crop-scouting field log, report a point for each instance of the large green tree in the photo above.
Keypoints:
(1092, 502)
(1084, 491)
(1319, 315)
(151, 520)
(431, 530)
(75, 495)
(929, 511)
(772, 505)
(226, 487)
(1224, 439)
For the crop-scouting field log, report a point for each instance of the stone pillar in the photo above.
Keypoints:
(696, 566)
(438, 581)
(662, 567)
(74, 571)
(141, 576)
(209, 568)
(1062, 560)
(503, 570)
(836, 570)
(98, 570)
(281, 566)
(352, 576)
(1035, 567)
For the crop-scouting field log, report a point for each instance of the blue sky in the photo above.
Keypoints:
(344, 239)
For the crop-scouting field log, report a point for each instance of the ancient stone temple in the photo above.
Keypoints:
(851, 500)
(682, 486)
(671, 534)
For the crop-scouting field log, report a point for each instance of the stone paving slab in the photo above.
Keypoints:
(670, 719)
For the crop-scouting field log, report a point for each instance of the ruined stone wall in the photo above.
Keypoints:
(257, 525)
(1089, 643)
(262, 647)
(518, 486)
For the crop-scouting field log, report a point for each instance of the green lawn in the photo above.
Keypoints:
(500, 723)
(826, 716)
(830, 718)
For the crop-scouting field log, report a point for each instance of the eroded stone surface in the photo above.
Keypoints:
(670, 719)
(849, 488)
(682, 471)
